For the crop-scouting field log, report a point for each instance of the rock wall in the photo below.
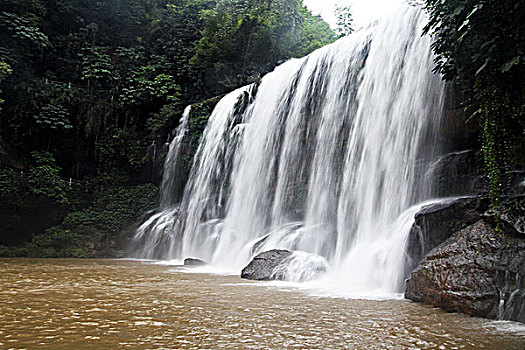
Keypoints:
(465, 259)
(437, 222)
(479, 271)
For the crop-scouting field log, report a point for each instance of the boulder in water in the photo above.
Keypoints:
(284, 265)
(479, 271)
(194, 262)
(262, 266)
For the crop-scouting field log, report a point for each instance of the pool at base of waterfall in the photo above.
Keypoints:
(126, 304)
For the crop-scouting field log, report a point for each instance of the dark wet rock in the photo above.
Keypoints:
(285, 265)
(461, 173)
(262, 266)
(513, 211)
(258, 245)
(194, 262)
(514, 182)
(479, 271)
(437, 222)
(457, 173)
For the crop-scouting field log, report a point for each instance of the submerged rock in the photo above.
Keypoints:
(194, 262)
(479, 271)
(262, 266)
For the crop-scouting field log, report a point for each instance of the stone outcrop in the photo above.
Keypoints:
(479, 271)
(437, 222)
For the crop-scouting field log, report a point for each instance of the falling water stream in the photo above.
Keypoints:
(326, 157)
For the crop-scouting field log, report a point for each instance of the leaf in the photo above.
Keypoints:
(482, 67)
(507, 66)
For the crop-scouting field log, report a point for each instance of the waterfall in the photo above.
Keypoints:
(326, 156)
(152, 238)
(172, 172)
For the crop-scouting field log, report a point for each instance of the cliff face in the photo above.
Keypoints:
(473, 262)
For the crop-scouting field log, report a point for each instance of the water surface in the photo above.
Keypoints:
(116, 304)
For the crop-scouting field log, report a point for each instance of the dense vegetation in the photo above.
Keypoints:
(481, 46)
(86, 86)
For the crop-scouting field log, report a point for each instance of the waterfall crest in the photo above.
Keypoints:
(327, 157)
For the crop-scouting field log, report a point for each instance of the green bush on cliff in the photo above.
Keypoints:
(44, 179)
(114, 208)
(199, 115)
(56, 242)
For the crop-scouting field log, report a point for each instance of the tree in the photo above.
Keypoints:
(344, 20)
(236, 32)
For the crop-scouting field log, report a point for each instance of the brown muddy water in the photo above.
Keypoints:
(118, 304)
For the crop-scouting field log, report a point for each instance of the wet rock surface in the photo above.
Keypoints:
(263, 265)
(435, 223)
(479, 271)
(194, 262)
(458, 173)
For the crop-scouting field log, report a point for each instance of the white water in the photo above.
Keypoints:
(327, 159)
(172, 172)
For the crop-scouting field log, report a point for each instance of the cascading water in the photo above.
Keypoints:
(172, 172)
(153, 236)
(327, 157)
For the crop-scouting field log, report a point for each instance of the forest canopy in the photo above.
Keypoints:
(94, 76)
(85, 87)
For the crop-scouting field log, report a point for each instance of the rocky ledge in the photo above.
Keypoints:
(437, 222)
(478, 270)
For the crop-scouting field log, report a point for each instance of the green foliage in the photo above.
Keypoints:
(9, 182)
(21, 28)
(56, 242)
(54, 116)
(96, 64)
(89, 84)
(344, 20)
(199, 115)
(481, 45)
(236, 32)
(44, 179)
(161, 118)
(144, 84)
(13, 252)
(114, 208)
